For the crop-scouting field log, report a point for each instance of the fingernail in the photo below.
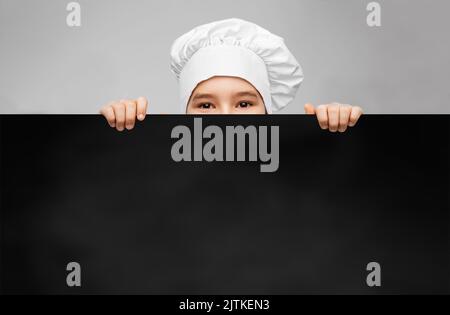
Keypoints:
(141, 117)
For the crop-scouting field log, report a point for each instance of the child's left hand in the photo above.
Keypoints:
(335, 117)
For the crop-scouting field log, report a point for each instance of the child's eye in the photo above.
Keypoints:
(206, 106)
(244, 104)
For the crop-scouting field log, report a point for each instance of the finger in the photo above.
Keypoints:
(344, 117)
(108, 112)
(355, 115)
(322, 116)
(309, 109)
(119, 112)
(333, 117)
(130, 114)
(142, 104)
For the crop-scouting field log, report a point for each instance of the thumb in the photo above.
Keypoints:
(309, 109)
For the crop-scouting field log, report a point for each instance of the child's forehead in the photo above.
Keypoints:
(224, 84)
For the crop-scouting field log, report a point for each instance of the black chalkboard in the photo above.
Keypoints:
(73, 189)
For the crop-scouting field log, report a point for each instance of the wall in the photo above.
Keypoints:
(121, 51)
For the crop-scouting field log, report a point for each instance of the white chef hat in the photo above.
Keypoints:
(237, 48)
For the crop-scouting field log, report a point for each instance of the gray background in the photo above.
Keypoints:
(122, 51)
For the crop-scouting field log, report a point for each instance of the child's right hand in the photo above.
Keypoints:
(122, 114)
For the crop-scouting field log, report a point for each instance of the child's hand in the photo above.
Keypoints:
(335, 117)
(123, 114)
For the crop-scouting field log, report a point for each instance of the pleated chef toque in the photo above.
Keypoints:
(236, 48)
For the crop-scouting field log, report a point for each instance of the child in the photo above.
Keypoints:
(234, 67)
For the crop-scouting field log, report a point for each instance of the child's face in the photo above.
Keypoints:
(226, 95)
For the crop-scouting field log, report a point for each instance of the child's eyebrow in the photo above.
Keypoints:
(247, 93)
(203, 95)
